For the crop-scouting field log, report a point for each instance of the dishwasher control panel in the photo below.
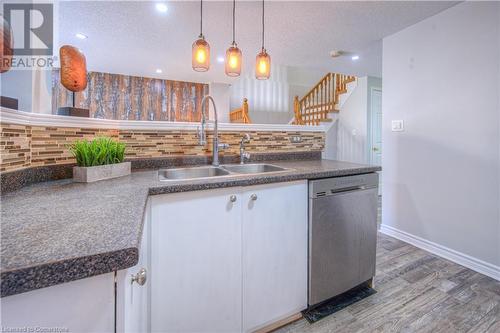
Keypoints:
(323, 187)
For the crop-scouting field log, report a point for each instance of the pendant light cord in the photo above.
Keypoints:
(234, 14)
(263, 24)
(201, 18)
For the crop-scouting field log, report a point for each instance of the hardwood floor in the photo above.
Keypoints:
(417, 292)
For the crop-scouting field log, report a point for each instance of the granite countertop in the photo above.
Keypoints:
(59, 231)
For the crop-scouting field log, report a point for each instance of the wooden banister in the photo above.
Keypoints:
(321, 100)
(240, 115)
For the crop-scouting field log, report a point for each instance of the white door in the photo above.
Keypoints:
(196, 262)
(274, 253)
(376, 127)
(376, 131)
(133, 304)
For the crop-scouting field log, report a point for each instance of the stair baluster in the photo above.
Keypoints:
(321, 100)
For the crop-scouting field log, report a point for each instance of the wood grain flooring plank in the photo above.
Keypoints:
(418, 292)
(490, 323)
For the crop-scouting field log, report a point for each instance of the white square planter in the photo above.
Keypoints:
(101, 172)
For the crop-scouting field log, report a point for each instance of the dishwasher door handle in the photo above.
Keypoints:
(351, 189)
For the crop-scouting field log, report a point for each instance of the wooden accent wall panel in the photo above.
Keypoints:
(124, 97)
(24, 146)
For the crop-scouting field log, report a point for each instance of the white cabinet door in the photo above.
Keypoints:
(274, 252)
(85, 305)
(133, 303)
(196, 262)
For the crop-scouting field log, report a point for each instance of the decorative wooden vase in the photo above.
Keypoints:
(73, 77)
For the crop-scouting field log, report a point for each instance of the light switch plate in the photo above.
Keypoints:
(397, 126)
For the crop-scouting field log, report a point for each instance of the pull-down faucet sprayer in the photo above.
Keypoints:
(202, 132)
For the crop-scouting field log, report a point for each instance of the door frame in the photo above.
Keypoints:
(371, 122)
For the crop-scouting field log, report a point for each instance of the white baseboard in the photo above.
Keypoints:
(475, 264)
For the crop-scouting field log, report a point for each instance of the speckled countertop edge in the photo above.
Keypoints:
(18, 277)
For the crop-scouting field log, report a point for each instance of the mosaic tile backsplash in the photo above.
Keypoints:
(29, 146)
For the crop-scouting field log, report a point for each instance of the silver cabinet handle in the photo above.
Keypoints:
(232, 198)
(141, 277)
(253, 197)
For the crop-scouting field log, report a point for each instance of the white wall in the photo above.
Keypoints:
(42, 91)
(352, 125)
(263, 95)
(221, 95)
(441, 175)
(347, 139)
(271, 101)
(18, 84)
(498, 108)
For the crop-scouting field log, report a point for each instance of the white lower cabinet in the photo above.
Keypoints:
(196, 262)
(133, 296)
(79, 306)
(274, 253)
(223, 260)
(228, 260)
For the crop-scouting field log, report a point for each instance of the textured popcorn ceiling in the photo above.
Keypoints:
(133, 38)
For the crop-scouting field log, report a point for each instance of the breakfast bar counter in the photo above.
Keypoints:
(60, 231)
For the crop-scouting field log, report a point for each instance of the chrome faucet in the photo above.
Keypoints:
(203, 136)
(243, 154)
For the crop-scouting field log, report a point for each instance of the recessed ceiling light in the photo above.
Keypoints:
(355, 57)
(161, 7)
(220, 59)
(159, 71)
(81, 36)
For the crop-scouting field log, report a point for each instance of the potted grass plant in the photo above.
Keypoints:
(98, 159)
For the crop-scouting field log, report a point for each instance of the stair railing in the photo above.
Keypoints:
(240, 115)
(322, 99)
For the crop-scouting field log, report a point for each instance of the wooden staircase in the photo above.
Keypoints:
(240, 115)
(321, 100)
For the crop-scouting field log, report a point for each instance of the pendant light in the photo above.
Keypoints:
(233, 53)
(200, 57)
(263, 60)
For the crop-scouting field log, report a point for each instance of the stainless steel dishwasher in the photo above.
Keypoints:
(342, 234)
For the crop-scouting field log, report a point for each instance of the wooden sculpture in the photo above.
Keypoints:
(73, 77)
(73, 68)
(6, 47)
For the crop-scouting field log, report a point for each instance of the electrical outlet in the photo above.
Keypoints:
(296, 139)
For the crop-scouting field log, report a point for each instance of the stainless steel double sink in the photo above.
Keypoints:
(213, 171)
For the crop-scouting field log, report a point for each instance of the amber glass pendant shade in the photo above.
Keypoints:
(263, 65)
(200, 58)
(233, 61)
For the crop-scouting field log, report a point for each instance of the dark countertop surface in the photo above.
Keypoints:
(59, 231)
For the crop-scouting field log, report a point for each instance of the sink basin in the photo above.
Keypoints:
(191, 173)
(211, 171)
(253, 168)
